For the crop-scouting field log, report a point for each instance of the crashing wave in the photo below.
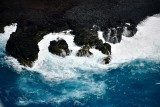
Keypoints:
(145, 44)
(77, 72)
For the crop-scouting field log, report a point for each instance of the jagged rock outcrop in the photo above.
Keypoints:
(59, 47)
(23, 44)
(105, 48)
(129, 30)
(114, 33)
(84, 51)
(85, 35)
(35, 18)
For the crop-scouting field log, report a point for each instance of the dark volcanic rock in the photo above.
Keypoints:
(59, 48)
(85, 35)
(104, 48)
(84, 51)
(129, 30)
(113, 33)
(1, 29)
(35, 18)
(23, 44)
(108, 46)
(107, 60)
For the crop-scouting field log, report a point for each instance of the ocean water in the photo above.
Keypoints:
(131, 79)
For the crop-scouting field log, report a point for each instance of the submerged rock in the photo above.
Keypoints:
(84, 51)
(107, 59)
(59, 48)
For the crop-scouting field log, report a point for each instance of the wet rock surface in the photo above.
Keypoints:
(114, 33)
(59, 47)
(107, 60)
(23, 44)
(84, 51)
(85, 35)
(105, 48)
(36, 18)
(129, 30)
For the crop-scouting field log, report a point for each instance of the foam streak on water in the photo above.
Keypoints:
(1, 105)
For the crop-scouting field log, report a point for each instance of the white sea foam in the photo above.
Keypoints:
(100, 36)
(5, 36)
(144, 44)
(54, 66)
(1, 104)
(158, 83)
(12, 62)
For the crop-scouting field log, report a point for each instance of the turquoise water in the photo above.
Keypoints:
(135, 84)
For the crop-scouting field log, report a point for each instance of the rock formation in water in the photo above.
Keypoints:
(59, 47)
(107, 60)
(35, 18)
(84, 51)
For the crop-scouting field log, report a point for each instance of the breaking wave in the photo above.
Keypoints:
(145, 44)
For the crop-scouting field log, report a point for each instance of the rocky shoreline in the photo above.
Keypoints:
(36, 18)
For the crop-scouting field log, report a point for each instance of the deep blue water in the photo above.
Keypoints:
(134, 84)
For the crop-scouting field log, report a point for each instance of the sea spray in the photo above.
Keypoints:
(59, 81)
(54, 66)
(144, 44)
(5, 36)
(12, 62)
(1, 104)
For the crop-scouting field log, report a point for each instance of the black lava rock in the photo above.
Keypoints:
(107, 60)
(104, 48)
(85, 35)
(35, 18)
(59, 48)
(23, 45)
(84, 51)
(129, 30)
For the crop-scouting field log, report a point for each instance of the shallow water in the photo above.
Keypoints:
(131, 79)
